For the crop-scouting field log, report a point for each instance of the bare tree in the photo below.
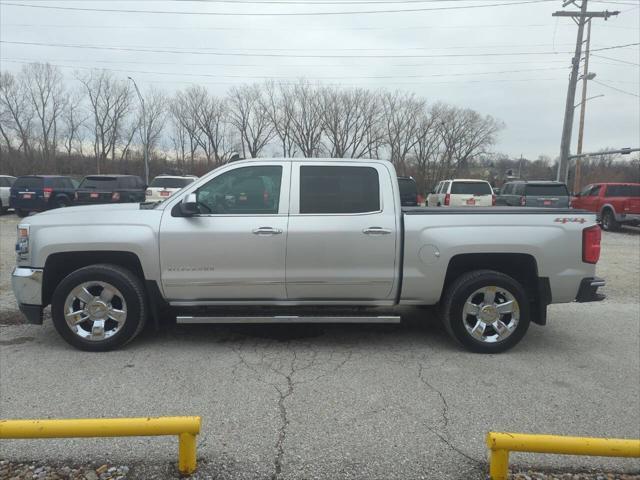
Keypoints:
(303, 106)
(16, 113)
(151, 125)
(183, 115)
(46, 93)
(250, 118)
(109, 104)
(426, 151)
(73, 122)
(279, 112)
(210, 115)
(351, 121)
(402, 114)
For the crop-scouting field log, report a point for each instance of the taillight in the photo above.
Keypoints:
(419, 199)
(493, 200)
(447, 199)
(148, 193)
(523, 201)
(47, 192)
(115, 196)
(591, 244)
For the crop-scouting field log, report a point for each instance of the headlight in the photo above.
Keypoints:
(22, 245)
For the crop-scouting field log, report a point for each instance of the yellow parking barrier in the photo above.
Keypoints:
(186, 428)
(500, 444)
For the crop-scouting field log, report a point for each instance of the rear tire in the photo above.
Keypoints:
(99, 308)
(21, 213)
(486, 311)
(609, 222)
(62, 202)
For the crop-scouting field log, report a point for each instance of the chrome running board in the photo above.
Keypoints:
(286, 319)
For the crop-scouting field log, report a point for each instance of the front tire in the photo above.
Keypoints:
(486, 311)
(609, 222)
(99, 308)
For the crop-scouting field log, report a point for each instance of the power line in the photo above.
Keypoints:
(617, 89)
(617, 60)
(341, 77)
(287, 55)
(272, 14)
(280, 65)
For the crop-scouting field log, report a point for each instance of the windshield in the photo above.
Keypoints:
(99, 183)
(471, 188)
(542, 189)
(168, 182)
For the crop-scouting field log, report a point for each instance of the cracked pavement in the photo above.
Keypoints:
(348, 402)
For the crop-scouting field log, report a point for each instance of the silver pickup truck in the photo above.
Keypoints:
(295, 241)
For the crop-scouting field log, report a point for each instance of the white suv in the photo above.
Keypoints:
(5, 189)
(462, 193)
(163, 186)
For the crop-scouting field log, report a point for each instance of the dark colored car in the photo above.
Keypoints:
(525, 193)
(36, 193)
(110, 189)
(408, 192)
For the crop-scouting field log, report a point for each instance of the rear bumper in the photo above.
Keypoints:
(588, 291)
(27, 288)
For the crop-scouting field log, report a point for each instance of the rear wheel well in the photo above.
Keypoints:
(59, 265)
(521, 267)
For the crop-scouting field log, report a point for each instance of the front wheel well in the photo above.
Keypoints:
(59, 265)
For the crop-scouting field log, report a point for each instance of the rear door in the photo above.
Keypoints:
(343, 232)
(550, 195)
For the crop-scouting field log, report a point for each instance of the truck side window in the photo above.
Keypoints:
(244, 191)
(595, 190)
(328, 189)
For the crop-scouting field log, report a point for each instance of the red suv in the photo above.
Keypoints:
(614, 203)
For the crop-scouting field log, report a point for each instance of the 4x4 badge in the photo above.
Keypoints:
(570, 220)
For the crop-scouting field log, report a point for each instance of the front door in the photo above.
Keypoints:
(342, 237)
(235, 247)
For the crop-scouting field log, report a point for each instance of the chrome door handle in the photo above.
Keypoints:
(267, 231)
(376, 231)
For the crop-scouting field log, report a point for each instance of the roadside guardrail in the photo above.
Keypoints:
(500, 444)
(186, 428)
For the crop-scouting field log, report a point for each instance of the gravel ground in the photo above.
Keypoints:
(349, 402)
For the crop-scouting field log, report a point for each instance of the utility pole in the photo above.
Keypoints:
(580, 18)
(583, 105)
(145, 136)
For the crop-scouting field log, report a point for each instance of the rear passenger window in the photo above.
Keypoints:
(329, 189)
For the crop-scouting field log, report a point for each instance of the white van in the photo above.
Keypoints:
(462, 193)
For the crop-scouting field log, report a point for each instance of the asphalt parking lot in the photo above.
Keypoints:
(376, 402)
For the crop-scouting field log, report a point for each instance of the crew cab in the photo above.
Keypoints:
(615, 204)
(296, 241)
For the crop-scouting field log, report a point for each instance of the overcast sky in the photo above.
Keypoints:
(481, 58)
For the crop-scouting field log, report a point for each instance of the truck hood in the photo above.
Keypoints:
(105, 214)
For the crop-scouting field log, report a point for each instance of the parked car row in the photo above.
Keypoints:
(37, 193)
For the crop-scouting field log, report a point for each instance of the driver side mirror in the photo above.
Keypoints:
(189, 205)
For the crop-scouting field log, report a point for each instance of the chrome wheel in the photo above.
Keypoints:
(95, 310)
(491, 314)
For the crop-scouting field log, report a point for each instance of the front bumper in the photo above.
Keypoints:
(27, 288)
(588, 291)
